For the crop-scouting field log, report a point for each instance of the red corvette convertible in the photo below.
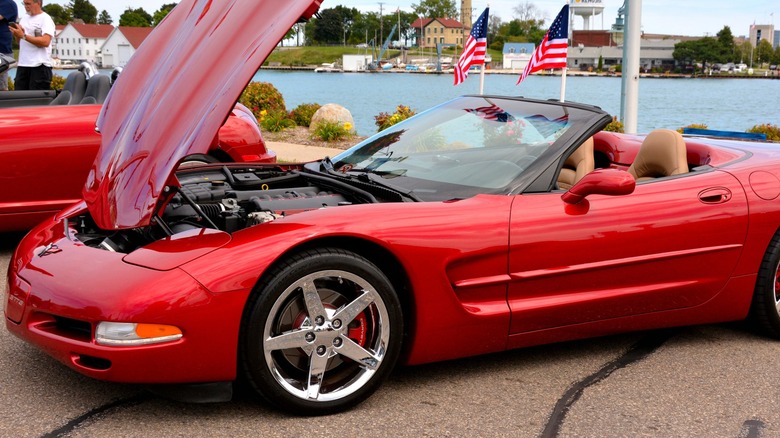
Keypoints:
(47, 149)
(483, 224)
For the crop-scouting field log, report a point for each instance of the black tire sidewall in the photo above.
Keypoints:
(764, 308)
(258, 311)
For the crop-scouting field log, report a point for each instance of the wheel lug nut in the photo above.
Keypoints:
(337, 323)
(309, 337)
(321, 350)
(319, 320)
(337, 342)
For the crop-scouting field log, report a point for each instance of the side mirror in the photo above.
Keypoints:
(600, 182)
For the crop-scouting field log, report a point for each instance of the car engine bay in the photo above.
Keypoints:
(232, 198)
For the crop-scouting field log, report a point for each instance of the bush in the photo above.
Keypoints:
(275, 121)
(333, 131)
(772, 131)
(11, 85)
(694, 126)
(302, 113)
(385, 120)
(260, 96)
(615, 126)
(57, 82)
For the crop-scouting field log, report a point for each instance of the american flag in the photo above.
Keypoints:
(547, 127)
(474, 50)
(551, 53)
(492, 112)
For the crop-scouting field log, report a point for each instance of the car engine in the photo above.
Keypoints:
(231, 199)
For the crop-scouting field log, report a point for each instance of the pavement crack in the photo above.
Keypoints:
(96, 413)
(639, 351)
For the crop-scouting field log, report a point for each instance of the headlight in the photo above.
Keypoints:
(132, 334)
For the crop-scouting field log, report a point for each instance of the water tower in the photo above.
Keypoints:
(587, 9)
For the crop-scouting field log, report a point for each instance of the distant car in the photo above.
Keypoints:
(361, 45)
(483, 224)
(49, 143)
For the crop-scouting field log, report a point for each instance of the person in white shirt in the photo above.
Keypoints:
(35, 33)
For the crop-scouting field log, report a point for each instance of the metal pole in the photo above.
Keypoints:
(631, 55)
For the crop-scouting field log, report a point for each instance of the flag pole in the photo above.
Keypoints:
(482, 80)
(482, 68)
(565, 68)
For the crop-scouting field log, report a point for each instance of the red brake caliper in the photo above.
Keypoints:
(358, 328)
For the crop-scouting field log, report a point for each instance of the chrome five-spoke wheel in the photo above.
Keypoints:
(323, 333)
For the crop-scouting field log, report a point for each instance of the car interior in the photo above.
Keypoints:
(662, 153)
(78, 90)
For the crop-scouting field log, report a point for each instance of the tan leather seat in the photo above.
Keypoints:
(662, 154)
(579, 164)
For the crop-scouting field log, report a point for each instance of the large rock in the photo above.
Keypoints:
(331, 112)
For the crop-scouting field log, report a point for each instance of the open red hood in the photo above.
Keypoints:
(173, 96)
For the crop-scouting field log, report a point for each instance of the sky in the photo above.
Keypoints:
(671, 17)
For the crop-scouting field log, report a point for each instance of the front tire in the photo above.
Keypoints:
(321, 333)
(765, 309)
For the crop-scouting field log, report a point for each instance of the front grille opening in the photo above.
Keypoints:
(93, 362)
(73, 328)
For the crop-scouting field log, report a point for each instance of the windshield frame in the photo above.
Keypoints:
(581, 122)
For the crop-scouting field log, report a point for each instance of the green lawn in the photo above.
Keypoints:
(316, 55)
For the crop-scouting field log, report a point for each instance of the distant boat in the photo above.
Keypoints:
(64, 64)
(328, 67)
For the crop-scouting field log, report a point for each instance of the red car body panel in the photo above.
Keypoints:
(45, 158)
(48, 150)
(508, 280)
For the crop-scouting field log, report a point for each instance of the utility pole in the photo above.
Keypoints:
(381, 22)
(630, 74)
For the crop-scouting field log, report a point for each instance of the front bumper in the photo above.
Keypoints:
(59, 289)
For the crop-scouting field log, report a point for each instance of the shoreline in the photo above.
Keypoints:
(517, 72)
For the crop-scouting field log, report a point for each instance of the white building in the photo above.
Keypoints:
(121, 44)
(517, 55)
(356, 63)
(81, 42)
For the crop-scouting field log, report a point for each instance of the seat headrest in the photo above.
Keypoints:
(662, 153)
(97, 89)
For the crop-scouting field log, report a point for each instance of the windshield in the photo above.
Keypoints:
(464, 147)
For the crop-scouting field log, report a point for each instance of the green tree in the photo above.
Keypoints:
(728, 49)
(494, 27)
(104, 18)
(406, 32)
(329, 28)
(365, 28)
(435, 8)
(519, 31)
(763, 53)
(59, 14)
(83, 10)
(162, 13)
(136, 18)
(744, 50)
(706, 50)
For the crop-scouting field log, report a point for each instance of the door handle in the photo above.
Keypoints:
(715, 195)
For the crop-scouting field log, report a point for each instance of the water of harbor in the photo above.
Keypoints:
(723, 104)
(732, 104)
